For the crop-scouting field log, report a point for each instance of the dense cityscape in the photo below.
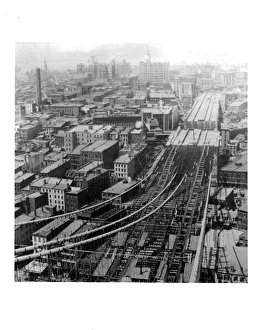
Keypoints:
(131, 172)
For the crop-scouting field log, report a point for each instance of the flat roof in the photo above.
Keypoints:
(70, 229)
(89, 128)
(75, 190)
(126, 158)
(62, 105)
(162, 95)
(47, 229)
(63, 184)
(104, 129)
(136, 131)
(237, 103)
(36, 267)
(243, 207)
(56, 124)
(34, 194)
(57, 183)
(90, 166)
(140, 273)
(157, 110)
(119, 239)
(103, 267)
(19, 163)
(22, 218)
(38, 183)
(56, 164)
(119, 188)
(238, 165)
(24, 177)
(100, 145)
(77, 150)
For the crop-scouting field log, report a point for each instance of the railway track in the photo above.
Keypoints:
(158, 215)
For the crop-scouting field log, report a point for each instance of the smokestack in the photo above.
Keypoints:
(39, 98)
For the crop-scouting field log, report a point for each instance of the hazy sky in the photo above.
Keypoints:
(189, 31)
(66, 55)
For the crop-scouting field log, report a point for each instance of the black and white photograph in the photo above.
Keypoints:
(129, 168)
(129, 124)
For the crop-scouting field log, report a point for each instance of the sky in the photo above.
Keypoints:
(202, 27)
(188, 30)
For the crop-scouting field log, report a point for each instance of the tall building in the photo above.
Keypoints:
(186, 92)
(39, 98)
(154, 72)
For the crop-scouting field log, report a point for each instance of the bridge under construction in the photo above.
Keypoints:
(157, 237)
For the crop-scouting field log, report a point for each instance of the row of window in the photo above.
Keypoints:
(235, 278)
(119, 165)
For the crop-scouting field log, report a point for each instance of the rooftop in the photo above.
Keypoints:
(70, 229)
(243, 207)
(23, 218)
(99, 146)
(24, 177)
(77, 150)
(62, 105)
(157, 110)
(119, 188)
(88, 128)
(34, 194)
(237, 103)
(46, 230)
(239, 165)
(56, 164)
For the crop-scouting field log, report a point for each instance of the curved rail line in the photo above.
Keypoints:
(65, 239)
(96, 205)
(70, 246)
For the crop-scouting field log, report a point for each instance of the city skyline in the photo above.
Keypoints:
(66, 55)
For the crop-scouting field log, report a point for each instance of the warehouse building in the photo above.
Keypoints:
(105, 151)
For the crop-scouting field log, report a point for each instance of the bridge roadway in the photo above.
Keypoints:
(159, 244)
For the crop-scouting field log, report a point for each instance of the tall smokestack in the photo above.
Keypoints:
(39, 99)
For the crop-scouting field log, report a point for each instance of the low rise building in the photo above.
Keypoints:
(23, 181)
(101, 150)
(166, 116)
(235, 173)
(35, 200)
(85, 134)
(68, 109)
(93, 178)
(75, 198)
(29, 132)
(56, 189)
(125, 136)
(49, 231)
(122, 191)
(224, 258)
(75, 157)
(137, 135)
(237, 106)
(242, 216)
(125, 119)
(131, 161)
(232, 147)
(56, 169)
(52, 128)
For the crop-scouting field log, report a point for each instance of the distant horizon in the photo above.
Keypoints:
(66, 56)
